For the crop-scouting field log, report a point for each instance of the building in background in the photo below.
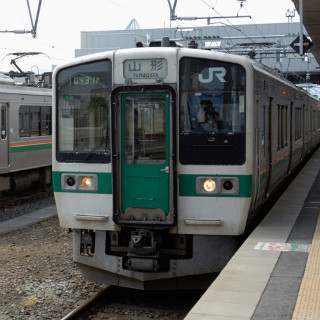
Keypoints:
(270, 44)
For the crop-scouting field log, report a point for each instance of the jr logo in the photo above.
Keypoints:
(219, 72)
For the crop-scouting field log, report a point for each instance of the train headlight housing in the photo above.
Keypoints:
(71, 181)
(230, 185)
(217, 185)
(227, 185)
(207, 185)
(68, 182)
(79, 182)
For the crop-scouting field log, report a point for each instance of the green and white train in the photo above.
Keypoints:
(161, 156)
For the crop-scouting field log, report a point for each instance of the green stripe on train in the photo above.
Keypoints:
(187, 185)
(104, 182)
(34, 147)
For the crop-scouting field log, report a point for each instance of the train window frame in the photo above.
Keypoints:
(84, 89)
(282, 118)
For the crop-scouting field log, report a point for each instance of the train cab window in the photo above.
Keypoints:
(212, 112)
(83, 109)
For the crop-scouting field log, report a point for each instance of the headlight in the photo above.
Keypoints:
(209, 185)
(217, 185)
(86, 182)
(79, 182)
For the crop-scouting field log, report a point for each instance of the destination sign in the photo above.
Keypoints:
(145, 69)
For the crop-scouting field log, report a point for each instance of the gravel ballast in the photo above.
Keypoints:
(38, 279)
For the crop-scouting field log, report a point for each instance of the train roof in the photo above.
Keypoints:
(29, 81)
(192, 52)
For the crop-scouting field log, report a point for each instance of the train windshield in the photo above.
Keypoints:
(83, 95)
(212, 112)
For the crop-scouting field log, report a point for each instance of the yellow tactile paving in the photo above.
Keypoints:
(308, 301)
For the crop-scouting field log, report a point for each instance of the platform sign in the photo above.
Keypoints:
(306, 43)
(276, 246)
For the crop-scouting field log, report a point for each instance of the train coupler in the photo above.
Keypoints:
(87, 244)
(142, 243)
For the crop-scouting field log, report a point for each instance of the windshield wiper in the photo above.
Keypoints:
(96, 146)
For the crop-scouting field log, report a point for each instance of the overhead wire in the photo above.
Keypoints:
(224, 24)
(230, 24)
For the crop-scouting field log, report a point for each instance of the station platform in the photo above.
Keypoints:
(275, 275)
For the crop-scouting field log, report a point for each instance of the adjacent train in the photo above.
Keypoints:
(162, 155)
(26, 136)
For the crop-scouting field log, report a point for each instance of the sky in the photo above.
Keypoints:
(61, 22)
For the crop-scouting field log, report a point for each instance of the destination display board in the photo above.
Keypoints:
(145, 69)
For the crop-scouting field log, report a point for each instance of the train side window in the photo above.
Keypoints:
(284, 126)
(46, 115)
(3, 122)
(263, 129)
(298, 113)
(314, 118)
(35, 121)
(279, 127)
(24, 121)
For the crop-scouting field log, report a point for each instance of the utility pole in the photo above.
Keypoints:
(301, 28)
(34, 25)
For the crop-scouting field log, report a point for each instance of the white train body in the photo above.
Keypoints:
(152, 195)
(25, 140)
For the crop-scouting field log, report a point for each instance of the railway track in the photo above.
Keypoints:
(13, 206)
(122, 303)
(7, 201)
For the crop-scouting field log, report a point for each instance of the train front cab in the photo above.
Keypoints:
(151, 196)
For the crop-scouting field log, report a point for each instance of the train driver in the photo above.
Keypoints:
(211, 117)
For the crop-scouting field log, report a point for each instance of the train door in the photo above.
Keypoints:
(262, 152)
(4, 139)
(145, 165)
(270, 145)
